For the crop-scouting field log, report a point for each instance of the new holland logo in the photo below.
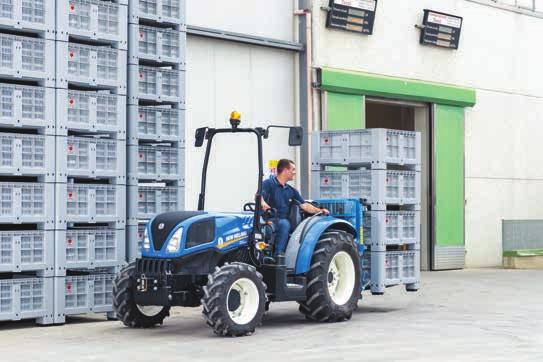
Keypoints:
(161, 226)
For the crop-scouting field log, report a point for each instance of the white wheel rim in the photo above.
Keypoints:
(341, 278)
(248, 303)
(149, 310)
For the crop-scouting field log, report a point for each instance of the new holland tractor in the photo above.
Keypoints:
(225, 261)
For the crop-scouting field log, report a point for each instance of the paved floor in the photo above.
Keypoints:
(471, 315)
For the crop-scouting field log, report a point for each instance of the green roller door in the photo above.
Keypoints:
(449, 187)
(345, 111)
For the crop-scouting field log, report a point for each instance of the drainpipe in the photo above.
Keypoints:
(306, 97)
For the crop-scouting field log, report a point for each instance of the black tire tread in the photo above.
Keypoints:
(318, 306)
(123, 302)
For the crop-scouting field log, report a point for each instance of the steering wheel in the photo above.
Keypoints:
(250, 206)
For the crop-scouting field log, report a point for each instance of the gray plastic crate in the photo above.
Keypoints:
(27, 58)
(379, 187)
(382, 228)
(155, 162)
(27, 298)
(36, 16)
(82, 294)
(156, 44)
(22, 251)
(393, 268)
(160, 11)
(147, 200)
(92, 20)
(157, 123)
(90, 111)
(89, 249)
(134, 236)
(25, 202)
(27, 155)
(88, 65)
(27, 107)
(375, 147)
(90, 203)
(91, 157)
(155, 84)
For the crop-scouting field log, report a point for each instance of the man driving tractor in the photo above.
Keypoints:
(279, 195)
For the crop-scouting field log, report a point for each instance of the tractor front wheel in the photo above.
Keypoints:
(125, 307)
(234, 300)
(333, 281)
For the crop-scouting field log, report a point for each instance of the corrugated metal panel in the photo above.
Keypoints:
(522, 234)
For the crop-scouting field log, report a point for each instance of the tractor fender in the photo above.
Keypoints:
(301, 247)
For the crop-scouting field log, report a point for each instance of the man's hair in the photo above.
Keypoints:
(282, 164)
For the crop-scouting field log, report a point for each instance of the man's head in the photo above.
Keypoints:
(286, 170)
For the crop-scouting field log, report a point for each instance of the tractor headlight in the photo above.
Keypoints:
(146, 242)
(175, 241)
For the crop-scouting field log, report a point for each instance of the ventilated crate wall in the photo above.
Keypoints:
(27, 155)
(25, 298)
(388, 268)
(382, 228)
(378, 187)
(22, 251)
(27, 58)
(83, 294)
(135, 233)
(37, 16)
(375, 147)
(156, 98)
(89, 248)
(27, 107)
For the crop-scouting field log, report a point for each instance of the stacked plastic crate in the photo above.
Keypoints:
(156, 113)
(381, 167)
(91, 70)
(27, 158)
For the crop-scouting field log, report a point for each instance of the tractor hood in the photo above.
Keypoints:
(163, 224)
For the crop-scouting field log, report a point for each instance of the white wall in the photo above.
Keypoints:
(500, 57)
(270, 19)
(256, 81)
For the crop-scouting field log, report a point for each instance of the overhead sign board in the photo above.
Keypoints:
(440, 29)
(352, 15)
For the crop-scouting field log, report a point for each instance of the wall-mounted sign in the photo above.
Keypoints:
(440, 29)
(352, 15)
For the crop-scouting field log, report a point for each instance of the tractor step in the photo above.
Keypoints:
(282, 287)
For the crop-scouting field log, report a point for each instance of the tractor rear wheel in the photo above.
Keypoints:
(234, 300)
(125, 307)
(333, 280)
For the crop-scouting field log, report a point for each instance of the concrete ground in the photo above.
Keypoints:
(470, 315)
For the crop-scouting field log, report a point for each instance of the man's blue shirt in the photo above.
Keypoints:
(279, 196)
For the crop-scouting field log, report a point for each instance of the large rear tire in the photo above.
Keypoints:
(234, 300)
(125, 307)
(333, 287)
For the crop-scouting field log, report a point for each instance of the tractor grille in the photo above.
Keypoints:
(152, 266)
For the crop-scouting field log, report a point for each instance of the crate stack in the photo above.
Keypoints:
(381, 167)
(156, 113)
(27, 160)
(91, 85)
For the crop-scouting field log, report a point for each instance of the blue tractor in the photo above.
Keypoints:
(224, 261)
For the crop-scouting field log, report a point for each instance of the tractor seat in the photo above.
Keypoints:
(294, 216)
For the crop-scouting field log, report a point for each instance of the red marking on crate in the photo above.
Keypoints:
(71, 148)
(142, 35)
(71, 102)
(141, 115)
(386, 221)
(325, 180)
(72, 54)
(142, 156)
(326, 140)
(72, 7)
(386, 180)
(69, 287)
(141, 196)
(141, 75)
(140, 235)
(70, 195)
(69, 242)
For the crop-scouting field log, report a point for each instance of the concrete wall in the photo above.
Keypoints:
(271, 19)
(498, 56)
(256, 81)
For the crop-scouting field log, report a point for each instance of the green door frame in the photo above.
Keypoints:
(347, 89)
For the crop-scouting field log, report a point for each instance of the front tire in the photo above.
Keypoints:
(333, 287)
(234, 300)
(125, 307)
